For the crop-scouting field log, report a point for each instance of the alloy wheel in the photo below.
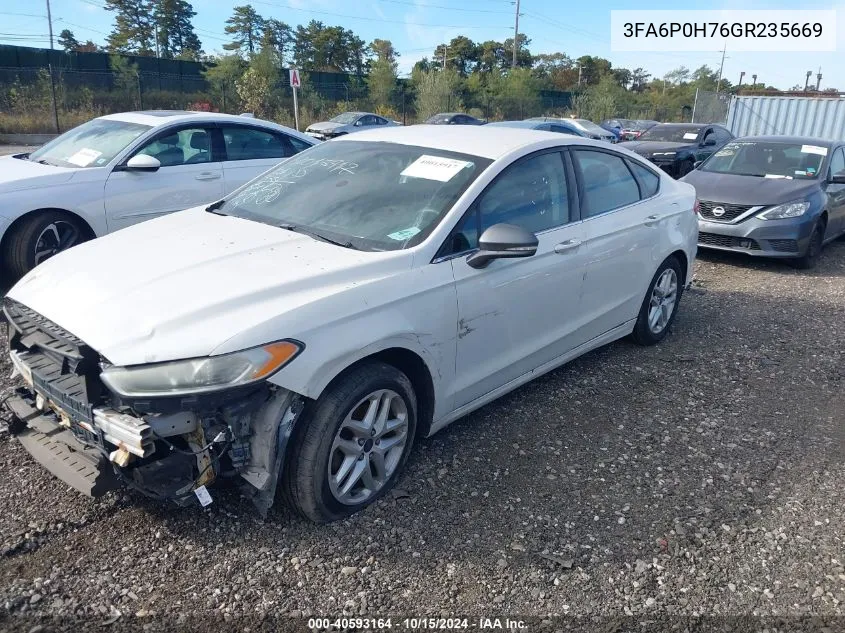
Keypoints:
(55, 238)
(368, 447)
(664, 296)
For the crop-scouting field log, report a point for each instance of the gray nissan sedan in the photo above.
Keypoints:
(772, 196)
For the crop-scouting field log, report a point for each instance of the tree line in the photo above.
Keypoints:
(484, 77)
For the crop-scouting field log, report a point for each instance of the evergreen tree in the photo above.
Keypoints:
(134, 31)
(247, 27)
(67, 41)
(176, 36)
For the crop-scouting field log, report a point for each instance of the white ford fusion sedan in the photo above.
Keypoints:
(303, 331)
(121, 169)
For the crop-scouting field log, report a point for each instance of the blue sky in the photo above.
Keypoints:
(417, 26)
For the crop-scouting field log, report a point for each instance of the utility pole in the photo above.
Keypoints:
(444, 56)
(50, 69)
(721, 68)
(819, 79)
(741, 75)
(515, 35)
(754, 79)
(807, 80)
(579, 75)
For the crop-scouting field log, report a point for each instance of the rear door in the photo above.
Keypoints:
(622, 217)
(250, 151)
(191, 174)
(836, 194)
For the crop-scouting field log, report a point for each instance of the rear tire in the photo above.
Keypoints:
(660, 305)
(38, 238)
(814, 249)
(333, 443)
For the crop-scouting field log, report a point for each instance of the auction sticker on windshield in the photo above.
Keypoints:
(814, 149)
(690, 136)
(84, 157)
(435, 168)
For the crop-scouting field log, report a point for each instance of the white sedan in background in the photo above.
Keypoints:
(121, 169)
(307, 328)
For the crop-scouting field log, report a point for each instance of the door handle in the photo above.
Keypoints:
(652, 220)
(207, 175)
(568, 245)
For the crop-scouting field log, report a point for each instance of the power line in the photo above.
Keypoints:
(440, 6)
(368, 19)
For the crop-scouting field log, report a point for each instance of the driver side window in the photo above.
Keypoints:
(837, 162)
(187, 146)
(531, 194)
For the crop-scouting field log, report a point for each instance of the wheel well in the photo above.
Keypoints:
(414, 367)
(29, 214)
(823, 217)
(681, 256)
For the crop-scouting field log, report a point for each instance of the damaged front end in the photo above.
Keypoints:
(165, 447)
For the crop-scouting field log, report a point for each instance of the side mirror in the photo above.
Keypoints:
(143, 162)
(503, 241)
(358, 123)
(710, 142)
(838, 178)
(696, 164)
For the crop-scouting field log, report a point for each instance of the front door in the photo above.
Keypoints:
(190, 175)
(517, 314)
(836, 195)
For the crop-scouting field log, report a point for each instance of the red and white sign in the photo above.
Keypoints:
(294, 78)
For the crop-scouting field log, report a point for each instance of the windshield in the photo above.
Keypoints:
(346, 118)
(670, 134)
(767, 160)
(589, 126)
(373, 196)
(92, 144)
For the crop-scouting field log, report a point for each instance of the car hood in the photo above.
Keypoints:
(646, 148)
(326, 126)
(748, 190)
(17, 174)
(182, 285)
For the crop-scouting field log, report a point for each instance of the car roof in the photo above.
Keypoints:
(523, 124)
(155, 118)
(687, 125)
(479, 140)
(803, 140)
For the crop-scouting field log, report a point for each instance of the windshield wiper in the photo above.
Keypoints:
(212, 208)
(317, 236)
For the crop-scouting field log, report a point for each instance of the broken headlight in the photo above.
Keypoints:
(198, 375)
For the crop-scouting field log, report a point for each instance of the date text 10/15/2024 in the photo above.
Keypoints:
(415, 624)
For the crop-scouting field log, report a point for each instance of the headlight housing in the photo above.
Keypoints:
(200, 375)
(788, 210)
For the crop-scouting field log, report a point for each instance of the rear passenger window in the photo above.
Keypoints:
(649, 181)
(245, 143)
(608, 183)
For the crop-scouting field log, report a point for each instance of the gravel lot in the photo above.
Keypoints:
(701, 477)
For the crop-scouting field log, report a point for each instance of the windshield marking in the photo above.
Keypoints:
(435, 168)
(269, 188)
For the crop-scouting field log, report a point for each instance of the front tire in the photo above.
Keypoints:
(660, 305)
(351, 444)
(39, 237)
(814, 249)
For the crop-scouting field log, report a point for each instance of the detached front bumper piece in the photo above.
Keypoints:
(57, 450)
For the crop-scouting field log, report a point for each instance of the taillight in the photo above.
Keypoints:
(695, 207)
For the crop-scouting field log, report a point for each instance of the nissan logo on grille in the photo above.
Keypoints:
(718, 211)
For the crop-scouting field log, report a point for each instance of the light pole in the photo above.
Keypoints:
(741, 75)
(807, 80)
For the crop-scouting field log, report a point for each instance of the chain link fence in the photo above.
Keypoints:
(710, 107)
